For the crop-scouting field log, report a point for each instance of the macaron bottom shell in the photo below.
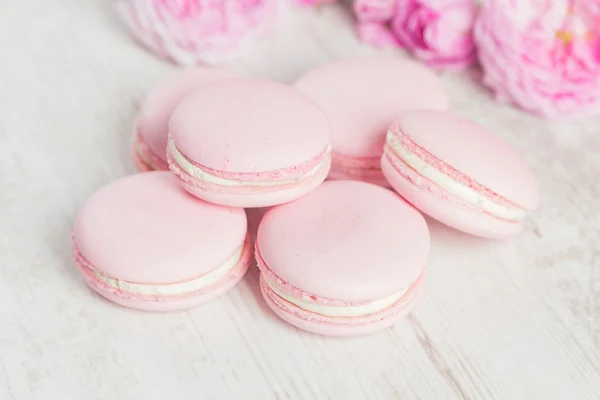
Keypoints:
(143, 158)
(442, 206)
(376, 178)
(250, 196)
(140, 164)
(167, 306)
(341, 326)
(163, 303)
(364, 169)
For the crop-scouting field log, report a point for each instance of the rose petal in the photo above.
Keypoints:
(189, 32)
(542, 60)
(437, 32)
(376, 34)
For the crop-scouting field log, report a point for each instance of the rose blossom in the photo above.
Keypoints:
(189, 32)
(542, 55)
(312, 2)
(439, 32)
(373, 17)
(374, 10)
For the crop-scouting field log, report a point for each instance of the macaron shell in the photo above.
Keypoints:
(153, 119)
(347, 240)
(363, 97)
(321, 327)
(250, 126)
(473, 151)
(452, 214)
(167, 306)
(145, 228)
(140, 164)
(255, 197)
(144, 158)
(374, 177)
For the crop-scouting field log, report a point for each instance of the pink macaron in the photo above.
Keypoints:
(459, 173)
(344, 260)
(249, 143)
(145, 243)
(152, 124)
(362, 98)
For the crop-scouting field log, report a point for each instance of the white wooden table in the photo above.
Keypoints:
(518, 319)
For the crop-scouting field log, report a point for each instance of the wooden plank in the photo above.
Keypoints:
(500, 320)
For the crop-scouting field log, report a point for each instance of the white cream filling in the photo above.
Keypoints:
(198, 173)
(340, 311)
(173, 289)
(450, 185)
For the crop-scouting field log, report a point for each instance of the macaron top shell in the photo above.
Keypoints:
(473, 151)
(146, 229)
(153, 119)
(248, 125)
(347, 240)
(363, 97)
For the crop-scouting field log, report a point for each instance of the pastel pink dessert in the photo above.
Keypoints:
(362, 98)
(152, 125)
(345, 260)
(143, 242)
(249, 143)
(459, 173)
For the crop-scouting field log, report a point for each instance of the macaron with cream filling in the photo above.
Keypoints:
(345, 260)
(361, 98)
(149, 145)
(144, 242)
(249, 143)
(459, 173)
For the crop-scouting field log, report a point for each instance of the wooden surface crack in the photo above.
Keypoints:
(436, 360)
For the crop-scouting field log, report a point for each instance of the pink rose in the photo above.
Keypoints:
(313, 2)
(376, 33)
(542, 55)
(374, 10)
(439, 32)
(373, 18)
(189, 32)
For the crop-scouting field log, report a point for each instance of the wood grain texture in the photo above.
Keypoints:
(518, 319)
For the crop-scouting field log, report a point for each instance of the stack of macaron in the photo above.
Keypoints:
(340, 257)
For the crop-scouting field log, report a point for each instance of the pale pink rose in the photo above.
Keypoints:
(374, 10)
(313, 2)
(189, 32)
(438, 32)
(376, 34)
(373, 18)
(542, 55)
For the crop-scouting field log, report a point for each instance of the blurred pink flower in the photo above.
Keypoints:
(368, 11)
(373, 17)
(376, 33)
(439, 32)
(542, 55)
(313, 2)
(189, 32)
